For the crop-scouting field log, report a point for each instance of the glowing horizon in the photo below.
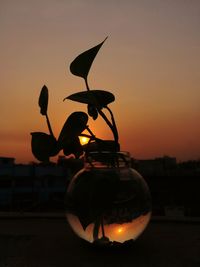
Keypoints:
(150, 62)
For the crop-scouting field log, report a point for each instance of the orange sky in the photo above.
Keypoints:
(151, 62)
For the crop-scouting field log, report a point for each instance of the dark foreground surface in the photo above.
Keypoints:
(50, 243)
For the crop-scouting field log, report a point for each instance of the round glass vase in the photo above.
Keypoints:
(107, 202)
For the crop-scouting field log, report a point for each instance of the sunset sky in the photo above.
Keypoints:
(150, 62)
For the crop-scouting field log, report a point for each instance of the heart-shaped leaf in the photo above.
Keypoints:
(43, 146)
(75, 124)
(81, 65)
(43, 100)
(97, 98)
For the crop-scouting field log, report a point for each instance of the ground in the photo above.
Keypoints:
(49, 242)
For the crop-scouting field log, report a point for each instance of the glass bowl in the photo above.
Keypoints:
(108, 202)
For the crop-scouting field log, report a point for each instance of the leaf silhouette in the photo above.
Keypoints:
(43, 100)
(75, 124)
(92, 111)
(97, 98)
(43, 146)
(73, 147)
(80, 66)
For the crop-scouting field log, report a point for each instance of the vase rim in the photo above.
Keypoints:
(109, 159)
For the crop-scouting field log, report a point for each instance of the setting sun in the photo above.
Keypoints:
(84, 140)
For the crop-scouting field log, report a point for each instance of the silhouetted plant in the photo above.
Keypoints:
(45, 145)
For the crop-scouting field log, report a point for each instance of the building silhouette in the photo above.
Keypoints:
(41, 187)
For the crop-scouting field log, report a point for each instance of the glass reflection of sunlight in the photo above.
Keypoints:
(115, 232)
(108, 205)
(120, 230)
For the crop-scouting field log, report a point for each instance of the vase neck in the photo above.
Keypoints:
(107, 159)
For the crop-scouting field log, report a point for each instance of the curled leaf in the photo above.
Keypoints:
(97, 98)
(75, 124)
(43, 146)
(43, 100)
(92, 111)
(81, 65)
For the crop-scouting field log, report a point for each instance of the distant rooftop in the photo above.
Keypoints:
(7, 161)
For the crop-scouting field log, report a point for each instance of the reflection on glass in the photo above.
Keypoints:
(115, 232)
(108, 202)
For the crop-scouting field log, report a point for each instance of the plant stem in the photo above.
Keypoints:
(96, 229)
(88, 129)
(114, 124)
(85, 135)
(49, 125)
(111, 125)
(102, 227)
(86, 83)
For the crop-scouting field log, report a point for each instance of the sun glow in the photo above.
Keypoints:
(119, 230)
(84, 140)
